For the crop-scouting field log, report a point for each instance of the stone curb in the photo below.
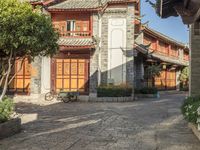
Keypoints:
(194, 130)
(10, 128)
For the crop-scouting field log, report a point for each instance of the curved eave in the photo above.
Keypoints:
(165, 8)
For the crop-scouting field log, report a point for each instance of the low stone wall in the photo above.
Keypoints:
(111, 99)
(10, 128)
(146, 96)
(194, 130)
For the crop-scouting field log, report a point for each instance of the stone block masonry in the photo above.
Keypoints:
(194, 63)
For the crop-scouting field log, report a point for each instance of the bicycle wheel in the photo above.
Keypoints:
(49, 96)
(66, 99)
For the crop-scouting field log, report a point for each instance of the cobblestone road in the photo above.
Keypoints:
(153, 124)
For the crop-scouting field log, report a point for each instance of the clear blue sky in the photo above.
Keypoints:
(171, 26)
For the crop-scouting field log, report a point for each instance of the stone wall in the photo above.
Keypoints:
(94, 54)
(35, 85)
(194, 63)
(130, 43)
(138, 71)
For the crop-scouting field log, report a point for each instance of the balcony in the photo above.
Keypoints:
(76, 34)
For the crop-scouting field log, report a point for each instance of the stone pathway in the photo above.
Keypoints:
(153, 124)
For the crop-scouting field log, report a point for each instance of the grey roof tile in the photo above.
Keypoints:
(74, 42)
(82, 4)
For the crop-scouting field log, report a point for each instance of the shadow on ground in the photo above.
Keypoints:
(149, 124)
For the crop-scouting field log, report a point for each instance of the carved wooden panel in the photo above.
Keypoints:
(21, 83)
(71, 75)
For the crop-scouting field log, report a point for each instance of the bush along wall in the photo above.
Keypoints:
(114, 91)
(189, 109)
(146, 90)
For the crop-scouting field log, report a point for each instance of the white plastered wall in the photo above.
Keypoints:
(116, 45)
(45, 75)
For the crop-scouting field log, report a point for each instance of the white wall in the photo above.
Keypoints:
(45, 75)
(116, 58)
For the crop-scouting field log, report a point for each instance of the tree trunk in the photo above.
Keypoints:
(7, 78)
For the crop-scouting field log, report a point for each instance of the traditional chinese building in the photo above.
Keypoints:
(189, 10)
(96, 47)
(99, 40)
(159, 49)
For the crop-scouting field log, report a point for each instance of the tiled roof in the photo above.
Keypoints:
(76, 42)
(83, 4)
(141, 48)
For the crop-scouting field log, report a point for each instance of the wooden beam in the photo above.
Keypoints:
(197, 16)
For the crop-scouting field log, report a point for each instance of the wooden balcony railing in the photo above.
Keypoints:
(77, 34)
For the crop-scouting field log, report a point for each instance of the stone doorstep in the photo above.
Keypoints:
(111, 99)
(10, 128)
(194, 130)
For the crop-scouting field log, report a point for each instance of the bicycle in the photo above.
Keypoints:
(62, 96)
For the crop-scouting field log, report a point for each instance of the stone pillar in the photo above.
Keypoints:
(178, 72)
(129, 45)
(139, 71)
(93, 83)
(195, 60)
(35, 85)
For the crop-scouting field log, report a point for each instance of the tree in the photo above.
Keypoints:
(151, 72)
(24, 33)
(184, 77)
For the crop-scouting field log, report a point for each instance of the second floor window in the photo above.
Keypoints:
(71, 26)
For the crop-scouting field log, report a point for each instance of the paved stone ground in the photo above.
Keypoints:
(153, 124)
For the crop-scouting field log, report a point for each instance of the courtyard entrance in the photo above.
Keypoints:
(70, 74)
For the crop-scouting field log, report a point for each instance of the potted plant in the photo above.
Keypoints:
(8, 125)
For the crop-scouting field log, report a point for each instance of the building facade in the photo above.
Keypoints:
(101, 42)
(160, 50)
(96, 47)
(189, 10)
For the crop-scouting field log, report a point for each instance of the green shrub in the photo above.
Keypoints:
(6, 109)
(146, 90)
(114, 91)
(189, 108)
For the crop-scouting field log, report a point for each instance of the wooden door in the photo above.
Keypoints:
(70, 75)
(166, 80)
(21, 83)
(171, 79)
(160, 82)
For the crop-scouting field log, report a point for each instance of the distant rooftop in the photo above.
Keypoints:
(165, 37)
